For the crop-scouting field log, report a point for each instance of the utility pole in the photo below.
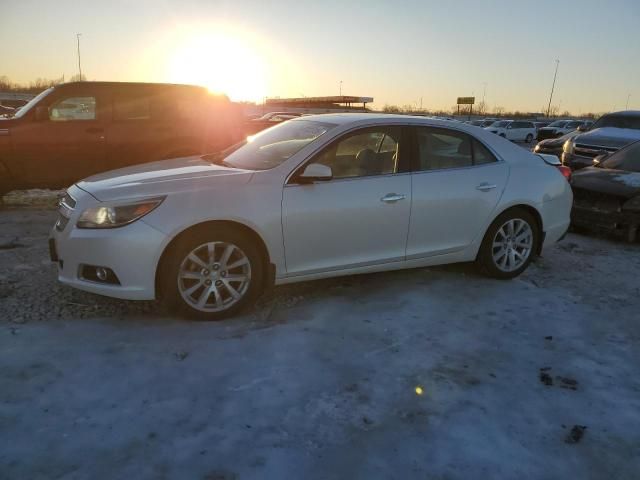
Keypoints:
(553, 86)
(626, 107)
(484, 94)
(79, 64)
(340, 87)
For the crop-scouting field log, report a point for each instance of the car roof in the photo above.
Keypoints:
(624, 113)
(129, 84)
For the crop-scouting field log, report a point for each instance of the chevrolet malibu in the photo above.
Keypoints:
(314, 197)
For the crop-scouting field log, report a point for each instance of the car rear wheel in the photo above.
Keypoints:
(509, 244)
(211, 275)
(529, 138)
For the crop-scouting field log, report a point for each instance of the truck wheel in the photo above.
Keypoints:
(529, 138)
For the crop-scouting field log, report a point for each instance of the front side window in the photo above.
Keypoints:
(440, 149)
(73, 108)
(373, 151)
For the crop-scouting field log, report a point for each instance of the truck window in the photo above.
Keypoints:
(73, 108)
(131, 107)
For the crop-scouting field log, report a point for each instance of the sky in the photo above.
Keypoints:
(401, 52)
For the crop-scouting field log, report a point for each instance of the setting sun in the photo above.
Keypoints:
(224, 62)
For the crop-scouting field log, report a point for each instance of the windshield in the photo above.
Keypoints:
(558, 123)
(501, 124)
(626, 159)
(618, 121)
(32, 102)
(271, 147)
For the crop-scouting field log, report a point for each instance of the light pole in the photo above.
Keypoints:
(626, 107)
(79, 64)
(553, 86)
(340, 87)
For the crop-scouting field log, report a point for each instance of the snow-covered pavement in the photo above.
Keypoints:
(430, 373)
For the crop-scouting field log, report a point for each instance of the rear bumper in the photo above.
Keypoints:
(132, 252)
(576, 162)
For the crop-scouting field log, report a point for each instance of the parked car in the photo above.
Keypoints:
(301, 201)
(540, 125)
(488, 122)
(553, 146)
(607, 135)
(559, 128)
(515, 130)
(78, 129)
(277, 116)
(607, 195)
(475, 123)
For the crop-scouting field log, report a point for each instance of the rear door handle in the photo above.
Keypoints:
(485, 187)
(392, 197)
(95, 130)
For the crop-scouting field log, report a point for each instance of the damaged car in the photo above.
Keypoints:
(607, 195)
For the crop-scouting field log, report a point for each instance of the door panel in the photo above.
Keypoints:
(343, 223)
(452, 199)
(67, 147)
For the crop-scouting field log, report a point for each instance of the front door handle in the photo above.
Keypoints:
(392, 197)
(485, 187)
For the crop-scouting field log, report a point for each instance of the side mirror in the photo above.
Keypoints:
(583, 128)
(315, 172)
(42, 113)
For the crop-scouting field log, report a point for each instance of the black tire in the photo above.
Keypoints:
(485, 259)
(169, 269)
(529, 138)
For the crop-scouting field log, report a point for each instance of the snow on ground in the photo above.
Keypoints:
(321, 380)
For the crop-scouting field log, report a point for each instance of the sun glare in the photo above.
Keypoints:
(224, 62)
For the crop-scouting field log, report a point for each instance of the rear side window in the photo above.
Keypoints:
(440, 149)
(129, 106)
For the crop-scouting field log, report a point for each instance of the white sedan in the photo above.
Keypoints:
(315, 197)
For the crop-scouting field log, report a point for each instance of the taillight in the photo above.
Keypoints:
(565, 171)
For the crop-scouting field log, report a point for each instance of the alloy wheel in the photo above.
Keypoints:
(512, 245)
(214, 276)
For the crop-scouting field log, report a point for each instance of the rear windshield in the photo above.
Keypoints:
(626, 159)
(618, 121)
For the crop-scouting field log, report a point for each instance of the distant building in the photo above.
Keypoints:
(338, 103)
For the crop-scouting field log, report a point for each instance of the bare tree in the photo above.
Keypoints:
(498, 110)
(391, 109)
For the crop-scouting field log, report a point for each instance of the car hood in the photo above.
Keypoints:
(608, 137)
(161, 178)
(604, 180)
(550, 129)
(552, 142)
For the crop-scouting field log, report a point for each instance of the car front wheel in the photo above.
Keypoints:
(509, 244)
(529, 138)
(210, 275)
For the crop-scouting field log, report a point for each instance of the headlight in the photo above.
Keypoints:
(568, 147)
(117, 215)
(536, 148)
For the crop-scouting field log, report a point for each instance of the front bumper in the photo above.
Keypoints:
(132, 252)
